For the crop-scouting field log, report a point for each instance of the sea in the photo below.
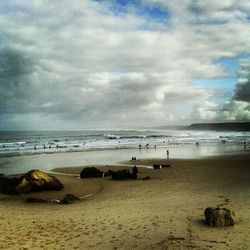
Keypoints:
(24, 150)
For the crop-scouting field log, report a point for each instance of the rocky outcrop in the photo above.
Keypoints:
(34, 180)
(125, 174)
(40, 181)
(219, 217)
(91, 172)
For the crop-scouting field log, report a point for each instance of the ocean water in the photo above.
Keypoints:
(33, 142)
(46, 150)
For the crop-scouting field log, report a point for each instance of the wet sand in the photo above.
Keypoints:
(165, 212)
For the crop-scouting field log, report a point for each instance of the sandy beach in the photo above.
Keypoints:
(165, 212)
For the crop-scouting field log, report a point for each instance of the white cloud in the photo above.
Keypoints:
(82, 64)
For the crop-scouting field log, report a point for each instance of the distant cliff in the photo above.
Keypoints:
(225, 126)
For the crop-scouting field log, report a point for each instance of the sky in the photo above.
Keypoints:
(89, 64)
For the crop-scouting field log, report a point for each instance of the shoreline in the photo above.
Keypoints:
(46, 162)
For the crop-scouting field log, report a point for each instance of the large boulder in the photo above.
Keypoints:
(219, 217)
(91, 172)
(125, 174)
(34, 180)
(40, 181)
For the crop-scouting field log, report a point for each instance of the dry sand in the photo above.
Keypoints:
(165, 212)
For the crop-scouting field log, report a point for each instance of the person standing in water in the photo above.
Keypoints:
(168, 154)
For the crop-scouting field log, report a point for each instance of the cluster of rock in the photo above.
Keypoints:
(32, 181)
(92, 172)
(219, 217)
(125, 174)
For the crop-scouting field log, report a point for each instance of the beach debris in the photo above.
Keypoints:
(69, 199)
(146, 178)
(219, 217)
(93, 172)
(125, 174)
(33, 180)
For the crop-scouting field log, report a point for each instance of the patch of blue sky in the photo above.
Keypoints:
(156, 13)
(230, 65)
(149, 11)
(226, 84)
(12, 9)
(224, 88)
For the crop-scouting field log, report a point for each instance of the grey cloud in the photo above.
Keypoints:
(15, 87)
(242, 91)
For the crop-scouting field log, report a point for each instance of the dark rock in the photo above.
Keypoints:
(36, 200)
(69, 199)
(91, 172)
(8, 185)
(146, 178)
(125, 174)
(40, 181)
(156, 166)
(109, 173)
(219, 217)
(166, 166)
(23, 187)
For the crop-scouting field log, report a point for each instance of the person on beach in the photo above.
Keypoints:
(168, 154)
(139, 146)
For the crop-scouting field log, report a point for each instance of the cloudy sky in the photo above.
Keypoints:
(116, 63)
